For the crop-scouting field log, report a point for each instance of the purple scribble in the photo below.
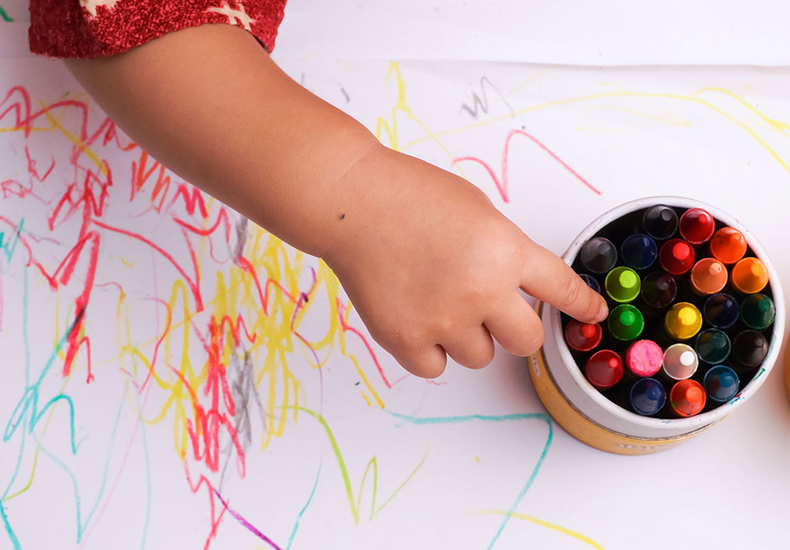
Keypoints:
(246, 523)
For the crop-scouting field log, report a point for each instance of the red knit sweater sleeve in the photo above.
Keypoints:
(96, 28)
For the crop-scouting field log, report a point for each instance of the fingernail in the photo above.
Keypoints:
(603, 313)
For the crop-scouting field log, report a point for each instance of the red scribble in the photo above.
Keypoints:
(502, 181)
(195, 200)
(206, 428)
(92, 205)
(31, 167)
(190, 282)
(341, 308)
(168, 321)
(234, 328)
(222, 217)
(215, 519)
(140, 175)
(263, 295)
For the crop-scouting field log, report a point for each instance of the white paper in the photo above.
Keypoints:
(451, 457)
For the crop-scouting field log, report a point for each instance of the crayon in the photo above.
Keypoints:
(660, 222)
(758, 311)
(581, 336)
(749, 276)
(604, 369)
(644, 358)
(659, 289)
(639, 251)
(680, 362)
(676, 257)
(696, 225)
(622, 284)
(647, 396)
(626, 322)
(687, 398)
(750, 348)
(708, 276)
(721, 310)
(683, 321)
(599, 255)
(721, 383)
(591, 282)
(713, 346)
(728, 245)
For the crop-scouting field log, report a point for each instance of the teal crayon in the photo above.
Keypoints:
(758, 311)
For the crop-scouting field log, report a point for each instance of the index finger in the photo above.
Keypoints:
(548, 278)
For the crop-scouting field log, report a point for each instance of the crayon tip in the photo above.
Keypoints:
(628, 279)
(687, 358)
(693, 394)
(727, 379)
(757, 270)
(654, 393)
(681, 251)
(687, 316)
(715, 268)
(627, 318)
(662, 285)
(613, 363)
(666, 215)
(588, 331)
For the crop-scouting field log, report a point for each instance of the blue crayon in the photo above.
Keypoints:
(639, 251)
(721, 310)
(647, 396)
(591, 282)
(721, 383)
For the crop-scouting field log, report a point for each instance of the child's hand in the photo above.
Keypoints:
(433, 268)
(427, 260)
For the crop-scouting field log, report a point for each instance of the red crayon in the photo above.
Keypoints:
(687, 398)
(581, 336)
(676, 256)
(697, 225)
(604, 369)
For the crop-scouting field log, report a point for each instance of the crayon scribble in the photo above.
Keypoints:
(197, 326)
(480, 101)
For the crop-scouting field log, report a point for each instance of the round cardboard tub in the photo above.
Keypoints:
(591, 417)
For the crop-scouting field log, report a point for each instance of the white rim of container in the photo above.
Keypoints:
(677, 424)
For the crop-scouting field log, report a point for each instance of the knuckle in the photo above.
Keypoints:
(573, 290)
(481, 359)
(535, 342)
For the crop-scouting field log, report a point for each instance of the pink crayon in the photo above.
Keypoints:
(644, 358)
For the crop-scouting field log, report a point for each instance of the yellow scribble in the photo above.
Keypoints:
(548, 525)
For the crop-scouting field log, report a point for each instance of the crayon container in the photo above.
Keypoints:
(590, 416)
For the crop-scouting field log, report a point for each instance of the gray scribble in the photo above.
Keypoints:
(481, 103)
(241, 237)
(240, 375)
(303, 82)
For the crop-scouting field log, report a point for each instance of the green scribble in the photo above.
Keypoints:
(5, 17)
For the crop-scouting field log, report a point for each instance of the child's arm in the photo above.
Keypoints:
(425, 257)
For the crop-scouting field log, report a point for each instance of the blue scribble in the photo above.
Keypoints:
(304, 508)
(418, 420)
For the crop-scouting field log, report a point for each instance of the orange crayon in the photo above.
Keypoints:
(687, 398)
(749, 276)
(728, 245)
(708, 276)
